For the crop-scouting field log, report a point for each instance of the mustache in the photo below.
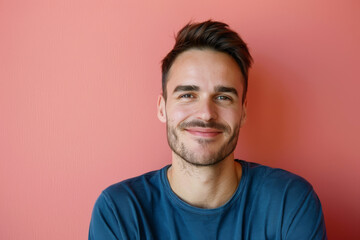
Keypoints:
(198, 123)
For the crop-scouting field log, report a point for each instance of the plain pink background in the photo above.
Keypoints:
(79, 82)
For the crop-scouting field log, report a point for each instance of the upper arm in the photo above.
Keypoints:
(104, 223)
(307, 219)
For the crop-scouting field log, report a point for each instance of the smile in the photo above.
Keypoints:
(204, 132)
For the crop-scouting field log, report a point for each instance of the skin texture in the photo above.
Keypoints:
(203, 113)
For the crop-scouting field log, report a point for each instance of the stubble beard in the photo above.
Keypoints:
(193, 158)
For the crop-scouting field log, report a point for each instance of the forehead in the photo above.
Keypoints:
(204, 68)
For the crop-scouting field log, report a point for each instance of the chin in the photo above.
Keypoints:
(204, 162)
(204, 158)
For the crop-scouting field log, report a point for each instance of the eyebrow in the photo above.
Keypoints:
(183, 88)
(219, 89)
(226, 89)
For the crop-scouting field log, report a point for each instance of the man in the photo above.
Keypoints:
(205, 193)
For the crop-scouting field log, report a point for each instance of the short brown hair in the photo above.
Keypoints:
(213, 35)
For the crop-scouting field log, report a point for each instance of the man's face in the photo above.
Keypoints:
(203, 110)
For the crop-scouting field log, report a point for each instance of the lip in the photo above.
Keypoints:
(204, 132)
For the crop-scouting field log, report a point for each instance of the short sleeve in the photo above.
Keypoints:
(104, 223)
(307, 221)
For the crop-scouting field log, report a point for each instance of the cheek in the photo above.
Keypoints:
(178, 114)
(230, 116)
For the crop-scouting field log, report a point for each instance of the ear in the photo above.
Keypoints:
(243, 113)
(161, 111)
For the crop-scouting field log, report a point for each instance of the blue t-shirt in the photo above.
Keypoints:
(268, 204)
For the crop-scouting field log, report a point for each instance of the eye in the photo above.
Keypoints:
(223, 98)
(187, 95)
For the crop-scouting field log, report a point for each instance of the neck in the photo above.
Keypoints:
(204, 186)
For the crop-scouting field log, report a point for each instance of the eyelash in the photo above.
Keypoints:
(189, 95)
(226, 97)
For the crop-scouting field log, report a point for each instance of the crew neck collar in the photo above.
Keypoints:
(178, 202)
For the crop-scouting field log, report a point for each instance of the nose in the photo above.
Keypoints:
(207, 110)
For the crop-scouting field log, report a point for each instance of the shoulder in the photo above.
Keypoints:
(278, 192)
(282, 190)
(276, 180)
(119, 207)
(135, 188)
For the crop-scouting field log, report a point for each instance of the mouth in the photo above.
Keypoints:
(203, 132)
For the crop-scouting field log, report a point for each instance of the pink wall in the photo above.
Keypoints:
(78, 88)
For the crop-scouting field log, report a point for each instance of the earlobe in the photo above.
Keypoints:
(161, 111)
